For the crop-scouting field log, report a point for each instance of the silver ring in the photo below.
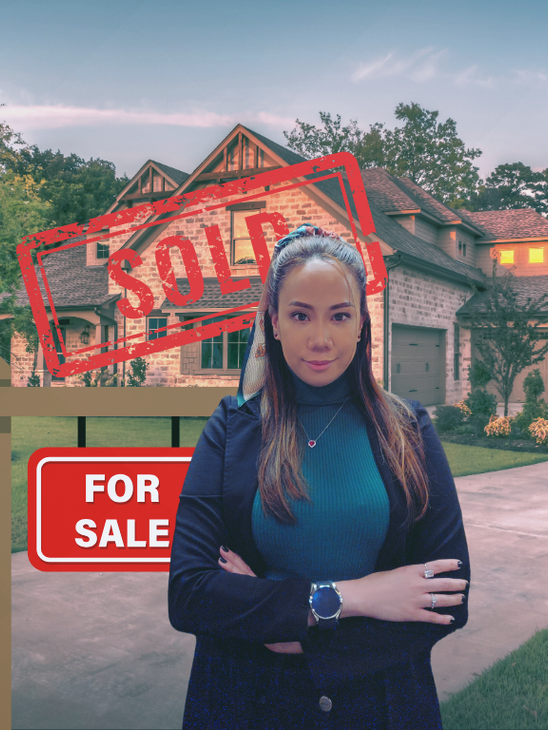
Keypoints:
(434, 601)
(428, 573)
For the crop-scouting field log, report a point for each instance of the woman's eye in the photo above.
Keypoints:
(342, 316)
(299, 316)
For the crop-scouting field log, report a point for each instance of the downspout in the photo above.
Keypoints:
(390, 262)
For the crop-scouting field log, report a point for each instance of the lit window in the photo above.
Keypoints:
(102, 251)
(242, 249)
(506, 257)
(536, 255)
(154, 324)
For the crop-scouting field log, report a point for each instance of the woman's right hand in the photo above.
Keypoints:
(403, 594)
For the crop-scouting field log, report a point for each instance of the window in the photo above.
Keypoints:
(156, 323)
(102, 251)
(536, 255)
(456, 355)
(225, 351)
(506, 257)
(57, 342)
(462, 248)
(241, 249)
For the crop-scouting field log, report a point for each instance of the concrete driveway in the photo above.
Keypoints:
(95, 650)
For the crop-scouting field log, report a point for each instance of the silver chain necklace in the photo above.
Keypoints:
(313, 442)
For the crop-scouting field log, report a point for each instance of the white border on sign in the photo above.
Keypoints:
(58, 459)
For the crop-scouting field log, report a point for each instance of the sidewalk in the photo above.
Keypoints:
(96, 651)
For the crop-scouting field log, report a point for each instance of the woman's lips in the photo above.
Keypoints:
(318, 365)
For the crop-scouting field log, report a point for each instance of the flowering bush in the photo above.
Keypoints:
(539, 431)
(499, 427)
(463, 408)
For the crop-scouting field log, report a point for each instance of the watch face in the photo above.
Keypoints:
(326, 602)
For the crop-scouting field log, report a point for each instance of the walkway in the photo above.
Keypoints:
(96, 651)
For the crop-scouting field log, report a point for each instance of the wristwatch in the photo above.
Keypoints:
(326, 604)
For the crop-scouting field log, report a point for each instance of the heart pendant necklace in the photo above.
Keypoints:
(312, 442)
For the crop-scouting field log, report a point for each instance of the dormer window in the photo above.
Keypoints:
(536, 255)
(507, 257)
(462, 248)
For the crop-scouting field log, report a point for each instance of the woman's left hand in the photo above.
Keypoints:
(232, 563)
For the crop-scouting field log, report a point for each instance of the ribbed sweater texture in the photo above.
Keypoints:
(339, 533)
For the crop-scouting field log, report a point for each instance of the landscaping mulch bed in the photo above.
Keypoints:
(505, 444)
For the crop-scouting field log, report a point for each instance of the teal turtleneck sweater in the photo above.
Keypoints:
(339, 534)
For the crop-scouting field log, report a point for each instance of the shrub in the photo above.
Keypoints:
(539, 431)
(498, 427)
(466, 412)
(138, 374)
(533, 386)
(479, 374)
(482, 405)
(34, 380)
(448, 418)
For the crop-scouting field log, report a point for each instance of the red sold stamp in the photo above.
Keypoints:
(104, 509)
(321, 177)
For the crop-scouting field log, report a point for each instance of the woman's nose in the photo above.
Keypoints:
(320, 337)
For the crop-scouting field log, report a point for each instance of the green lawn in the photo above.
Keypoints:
(29, 434)
(511, 695)
(477, 460)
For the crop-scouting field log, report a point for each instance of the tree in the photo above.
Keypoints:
(428, 152)
(513, 185)
(310, 141)
(506, 330)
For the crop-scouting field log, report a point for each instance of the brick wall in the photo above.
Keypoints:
(421, 300)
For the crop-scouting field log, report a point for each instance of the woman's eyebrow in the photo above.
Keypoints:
(309, 306)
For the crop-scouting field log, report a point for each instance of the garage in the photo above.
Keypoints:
(418, 364)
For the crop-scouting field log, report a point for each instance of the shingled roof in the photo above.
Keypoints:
(393, 194)
(212, 297)
(72, 283)
(178, 176)
(504, 224)
(527, 289)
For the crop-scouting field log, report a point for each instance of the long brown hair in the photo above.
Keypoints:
(280, 459)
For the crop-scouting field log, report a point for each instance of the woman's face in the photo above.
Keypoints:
(318, 320)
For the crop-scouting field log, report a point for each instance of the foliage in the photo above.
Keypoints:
(463, 408)
(507, 332)
(448, 418)
(539, 430)
(535, 406)
(498, 427)
(423, 149)
(478, 374)
(482, 406)
(513, 185)
(33, 380)
(138, 374)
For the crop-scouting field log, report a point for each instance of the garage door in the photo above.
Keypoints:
(417, 363)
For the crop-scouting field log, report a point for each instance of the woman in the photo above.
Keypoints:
(319, 550)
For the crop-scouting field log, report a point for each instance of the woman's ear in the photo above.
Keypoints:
(274, 319)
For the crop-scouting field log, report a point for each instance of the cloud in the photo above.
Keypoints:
(58, 116)
(419, 66)
(528, 76)
(470, 77)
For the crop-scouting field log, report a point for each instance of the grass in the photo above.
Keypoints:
(465, 460)
(510, 695)
(30, 434)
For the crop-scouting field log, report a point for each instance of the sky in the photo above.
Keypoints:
(132, 81)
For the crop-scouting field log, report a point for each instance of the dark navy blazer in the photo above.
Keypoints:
(233, 616)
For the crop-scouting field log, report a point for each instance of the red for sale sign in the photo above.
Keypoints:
(103, 508)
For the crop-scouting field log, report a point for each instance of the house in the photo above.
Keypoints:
(434, 258)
